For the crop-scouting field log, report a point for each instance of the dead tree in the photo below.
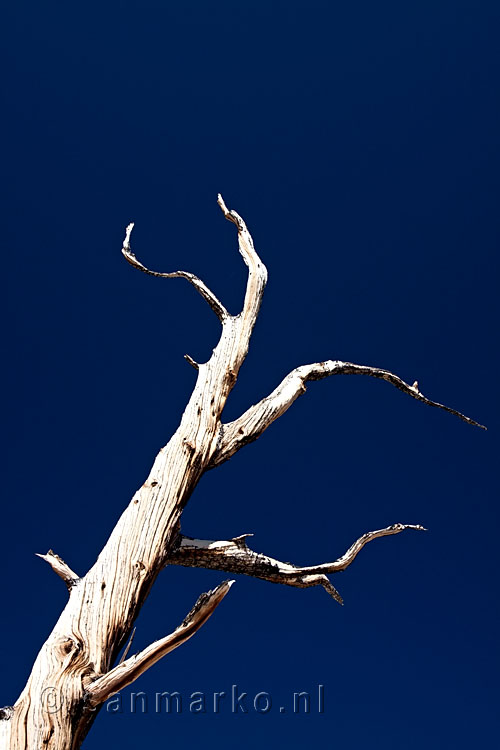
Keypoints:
(76, 670)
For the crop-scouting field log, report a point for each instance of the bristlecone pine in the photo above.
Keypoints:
(76, 669)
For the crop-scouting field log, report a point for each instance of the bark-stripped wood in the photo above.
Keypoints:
(60, 567)
(251, 424)
(74, 671)
(129, 670)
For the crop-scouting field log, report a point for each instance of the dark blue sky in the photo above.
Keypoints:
(360, 142)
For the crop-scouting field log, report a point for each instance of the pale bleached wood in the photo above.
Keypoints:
(128, 670)
(234, 556)
(198, 284)
(251, 424)
(104, 603)
(60, 567)
(74, 670)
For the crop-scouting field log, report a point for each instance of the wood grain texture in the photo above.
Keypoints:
(75, 670)
(234, 556)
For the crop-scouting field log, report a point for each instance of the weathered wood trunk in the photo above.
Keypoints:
(74, 672)
(56, 709)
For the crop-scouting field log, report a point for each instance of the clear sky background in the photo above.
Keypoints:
(360, 142)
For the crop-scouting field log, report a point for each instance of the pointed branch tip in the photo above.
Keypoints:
(220, 201)
(127, 647)
(192, 362)
(130, 669)
(60, 567)
(128, 232)
(232, 215)
(197, 283)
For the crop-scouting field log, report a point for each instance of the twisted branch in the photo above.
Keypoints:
(234, 556)
(198, 284)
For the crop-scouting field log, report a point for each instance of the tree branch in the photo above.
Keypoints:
(257, 418)
(74, 662)
(235, 556)
(129, 670)
(198, 284)
(59, 566)
(257, 272)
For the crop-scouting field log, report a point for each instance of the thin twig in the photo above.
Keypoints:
(198, 284)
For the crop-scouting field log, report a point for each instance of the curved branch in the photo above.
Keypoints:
(257, 418)
(198, 284)
(234, 556)
(129, 670)
(257, 272)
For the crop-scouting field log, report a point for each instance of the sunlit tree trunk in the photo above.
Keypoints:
(76, 670)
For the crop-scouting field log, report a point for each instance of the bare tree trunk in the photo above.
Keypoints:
(75, 671)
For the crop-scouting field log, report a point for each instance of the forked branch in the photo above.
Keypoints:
(105, 602)
(235, 556)
(129, 670)
(251, 424)
(198, 284)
